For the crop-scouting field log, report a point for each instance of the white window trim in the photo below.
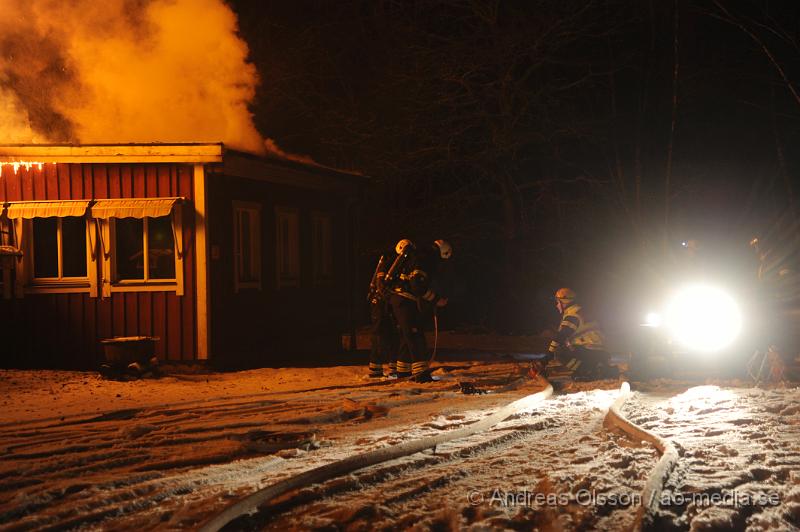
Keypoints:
(28, 284)
(283, 282)
(108, 246)
(255, 245)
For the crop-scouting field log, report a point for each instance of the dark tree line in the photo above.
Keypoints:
(557, 141)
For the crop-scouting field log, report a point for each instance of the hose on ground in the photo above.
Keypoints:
(658, 476)
(353, 463)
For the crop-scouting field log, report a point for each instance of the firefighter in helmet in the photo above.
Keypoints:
(384, 340)
(417, 289)
(579, 343)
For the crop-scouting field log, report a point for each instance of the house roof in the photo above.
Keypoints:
(287, 172)
(221, 160)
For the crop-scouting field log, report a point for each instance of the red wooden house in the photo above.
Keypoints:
(222, 256)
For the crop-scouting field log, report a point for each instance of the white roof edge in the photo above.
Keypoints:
(110, 153)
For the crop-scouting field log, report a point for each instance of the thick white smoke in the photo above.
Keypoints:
(124, 71)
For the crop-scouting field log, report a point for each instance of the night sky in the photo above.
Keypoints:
(538, 136)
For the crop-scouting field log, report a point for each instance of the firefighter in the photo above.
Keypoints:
(579, 342)
(416, 290)
(384, 340)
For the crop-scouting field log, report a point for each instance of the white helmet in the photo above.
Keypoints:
(403, 246)
(445, 249)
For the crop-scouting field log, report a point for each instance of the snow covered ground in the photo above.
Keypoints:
(78, 451)
(740, 455)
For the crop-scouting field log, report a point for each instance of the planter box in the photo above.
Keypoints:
(124, 350)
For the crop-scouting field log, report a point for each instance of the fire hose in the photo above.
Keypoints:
(669, 457)
(360, 461)
(435, 335)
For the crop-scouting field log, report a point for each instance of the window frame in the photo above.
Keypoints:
(292, 214)
(27, 283)
(253, 211)
(60, 278)
(111, 282)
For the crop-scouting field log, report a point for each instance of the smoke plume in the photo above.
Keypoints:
(122, 71)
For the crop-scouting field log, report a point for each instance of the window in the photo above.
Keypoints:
(56, 247)
(322, 247)
(288, 246)
(246, 245)
(142, 244)
(59, 248)
(144, 249)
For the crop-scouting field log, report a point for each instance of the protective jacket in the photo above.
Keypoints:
(420, 278)
(576, 330)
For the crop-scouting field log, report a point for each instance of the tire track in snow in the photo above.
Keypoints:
(734, 440)
(559, 449)
(143, 464)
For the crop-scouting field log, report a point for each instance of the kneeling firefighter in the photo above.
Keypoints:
(417, 289)
(579, 343)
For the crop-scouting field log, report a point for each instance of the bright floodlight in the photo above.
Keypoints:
(703, 318)
(653, 319)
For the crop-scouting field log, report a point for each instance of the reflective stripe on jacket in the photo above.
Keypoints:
(576, 330)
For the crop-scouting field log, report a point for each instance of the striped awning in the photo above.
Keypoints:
(133, 207)
(47, 209)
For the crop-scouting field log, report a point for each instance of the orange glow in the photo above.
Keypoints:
(27, 165)
(125, 71)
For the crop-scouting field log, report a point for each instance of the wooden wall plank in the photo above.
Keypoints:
(160, 323)
(173, 180)
(145, 322)
(35, 342)
(174, 322)
(13, 183)
(27, 185)
(186, 181)
(99, 181)
(131, 314)
(164, 180)
(77, 181)
(90, 329)
(74, 339)
(115, 181)
(150, 181)
(105, 317)
(66, 180)
(57, 338)
(51, 180)
(125, 182)
(40, 182)
(118, 313)
(139, 178)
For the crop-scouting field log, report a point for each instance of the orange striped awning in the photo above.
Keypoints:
(47, 209)
(133, 207)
